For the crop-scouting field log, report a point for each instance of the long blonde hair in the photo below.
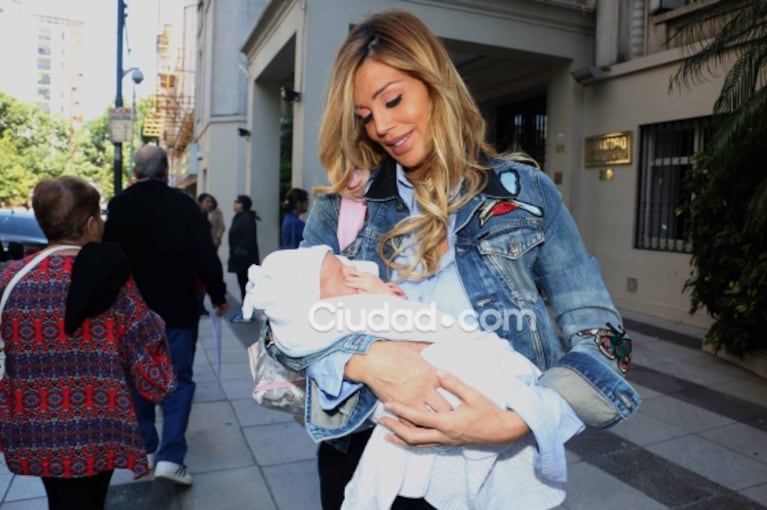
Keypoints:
(456, 132)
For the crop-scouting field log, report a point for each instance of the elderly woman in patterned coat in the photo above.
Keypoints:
(78, 338)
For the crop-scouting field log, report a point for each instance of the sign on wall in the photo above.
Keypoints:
(608, 149)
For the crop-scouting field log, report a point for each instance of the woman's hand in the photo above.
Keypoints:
(396, 372)
(475, 420)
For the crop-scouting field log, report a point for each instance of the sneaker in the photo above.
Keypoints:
(151, 459)
(172, 472)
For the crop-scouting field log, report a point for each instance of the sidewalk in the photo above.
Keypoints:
(699, 440)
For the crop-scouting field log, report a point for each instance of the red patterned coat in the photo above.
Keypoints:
(66, 408)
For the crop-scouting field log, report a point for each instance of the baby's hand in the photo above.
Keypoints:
(395, 290)
(368, 283)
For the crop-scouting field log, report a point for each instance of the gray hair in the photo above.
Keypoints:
(151, 162)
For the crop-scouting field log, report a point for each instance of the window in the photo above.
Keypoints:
(666, 154)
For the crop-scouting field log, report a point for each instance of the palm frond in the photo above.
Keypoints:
(757, 210)
(747, 74)
(748, 117)
(742, 21)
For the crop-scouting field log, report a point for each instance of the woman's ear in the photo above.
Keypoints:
(94, 229)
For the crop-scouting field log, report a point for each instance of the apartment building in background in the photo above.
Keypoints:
(43, 59)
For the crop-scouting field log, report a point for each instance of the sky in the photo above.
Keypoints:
(145, 20)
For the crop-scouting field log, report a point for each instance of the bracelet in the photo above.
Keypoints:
(613, 343)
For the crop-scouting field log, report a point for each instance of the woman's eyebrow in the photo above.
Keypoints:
(379, 91)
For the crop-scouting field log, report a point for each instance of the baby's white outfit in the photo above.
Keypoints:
(530, 473)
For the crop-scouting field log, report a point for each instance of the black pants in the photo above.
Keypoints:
(242, 280)
(336, 469)
(86, 493)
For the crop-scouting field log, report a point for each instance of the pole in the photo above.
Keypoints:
(118, 162)
(132, 126)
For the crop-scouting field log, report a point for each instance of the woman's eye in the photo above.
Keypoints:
(394, 102)
(365, 119)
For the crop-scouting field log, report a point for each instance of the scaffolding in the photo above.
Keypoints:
(171, 121)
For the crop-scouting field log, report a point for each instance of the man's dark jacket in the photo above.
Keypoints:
(169, 246)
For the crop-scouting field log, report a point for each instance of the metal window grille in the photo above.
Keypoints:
(666, 155)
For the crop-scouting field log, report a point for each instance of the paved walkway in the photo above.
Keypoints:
(699, 440)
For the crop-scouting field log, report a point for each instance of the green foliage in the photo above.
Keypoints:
(35, 145)
(728, 183)
(729, 275)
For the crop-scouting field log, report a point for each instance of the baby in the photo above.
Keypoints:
(332, 296)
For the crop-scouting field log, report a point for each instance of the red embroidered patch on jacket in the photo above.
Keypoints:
(498, 207)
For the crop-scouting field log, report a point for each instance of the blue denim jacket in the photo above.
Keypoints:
(513, 240)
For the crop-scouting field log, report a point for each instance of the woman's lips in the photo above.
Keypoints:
(400, 145)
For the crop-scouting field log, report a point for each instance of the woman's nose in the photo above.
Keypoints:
(383, 123)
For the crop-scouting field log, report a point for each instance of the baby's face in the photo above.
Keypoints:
(333, 278)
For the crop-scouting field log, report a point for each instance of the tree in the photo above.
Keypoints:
(35, 145)
(728, 183)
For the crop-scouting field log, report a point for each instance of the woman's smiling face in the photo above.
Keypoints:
(394, 110)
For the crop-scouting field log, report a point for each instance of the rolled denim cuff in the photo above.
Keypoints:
(324, 425)
(328, 373)
(598, 395)
(355, 343)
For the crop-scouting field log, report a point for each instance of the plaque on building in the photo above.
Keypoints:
(609, 149)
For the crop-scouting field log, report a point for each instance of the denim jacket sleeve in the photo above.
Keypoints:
(591, 382)
(322, 423)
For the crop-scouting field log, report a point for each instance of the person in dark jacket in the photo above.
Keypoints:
(243, 242)
(168, 244)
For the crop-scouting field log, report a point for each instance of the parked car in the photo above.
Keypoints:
(20, 234)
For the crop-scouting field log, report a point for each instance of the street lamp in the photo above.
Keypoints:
(137, 76)
(118, 162)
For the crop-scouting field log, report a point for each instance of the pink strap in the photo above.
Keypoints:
(350, 220)
(351, 216)
(279, 385)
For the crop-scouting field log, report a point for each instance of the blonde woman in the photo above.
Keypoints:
(453, 224)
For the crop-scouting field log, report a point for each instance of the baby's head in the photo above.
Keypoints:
(298, 278)
(334, 271)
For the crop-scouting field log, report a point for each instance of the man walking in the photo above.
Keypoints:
(168, 245)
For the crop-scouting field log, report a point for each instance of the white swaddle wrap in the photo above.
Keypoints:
(531, 473)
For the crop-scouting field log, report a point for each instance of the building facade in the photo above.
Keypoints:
(220, 140)
(582, 85)
(43, 59)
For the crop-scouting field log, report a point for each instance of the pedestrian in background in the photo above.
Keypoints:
(168, 244)
(78, 336)
(297, 203)
(209, 207)
(243, 244)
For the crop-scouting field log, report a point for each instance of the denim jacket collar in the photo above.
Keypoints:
(384, 185)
